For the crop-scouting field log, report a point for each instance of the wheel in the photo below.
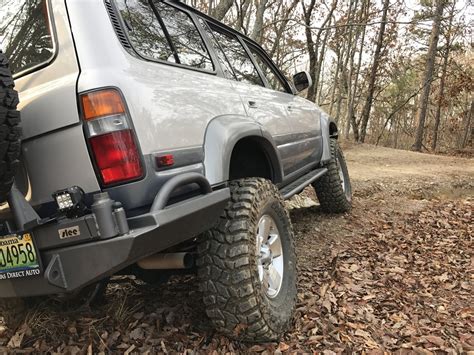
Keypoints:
(10, 132)
(247, 264)
(334, 188)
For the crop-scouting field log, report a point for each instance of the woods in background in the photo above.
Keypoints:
(397, 73)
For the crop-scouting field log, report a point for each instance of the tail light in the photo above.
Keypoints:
(111, 137)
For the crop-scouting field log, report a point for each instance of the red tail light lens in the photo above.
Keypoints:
(116, 156)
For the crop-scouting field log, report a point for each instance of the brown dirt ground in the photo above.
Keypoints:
(393, 275)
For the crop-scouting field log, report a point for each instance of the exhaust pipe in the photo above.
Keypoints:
(171, 261)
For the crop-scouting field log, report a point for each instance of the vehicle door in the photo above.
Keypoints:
(266, 106)
(303, 145)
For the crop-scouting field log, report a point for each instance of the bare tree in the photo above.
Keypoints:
(428, 74)
(351, 118)
(442, 84)
(315, 56)
(373, 74)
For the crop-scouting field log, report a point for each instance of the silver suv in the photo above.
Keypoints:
(155, 138)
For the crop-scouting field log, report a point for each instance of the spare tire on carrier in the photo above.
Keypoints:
(10, 132)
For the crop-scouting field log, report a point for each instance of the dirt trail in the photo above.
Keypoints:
(395, 274)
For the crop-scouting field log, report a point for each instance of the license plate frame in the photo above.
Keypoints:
(19, 256)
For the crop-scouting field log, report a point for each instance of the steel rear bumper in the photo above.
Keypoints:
(71, 268)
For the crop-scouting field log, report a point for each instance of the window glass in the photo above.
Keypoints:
(25, 35)
(144, 30)
(241, 63)
(226, 66)
(185, 37)
(272, 77)
(171, 37)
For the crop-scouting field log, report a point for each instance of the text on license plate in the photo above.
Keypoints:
(18, 256)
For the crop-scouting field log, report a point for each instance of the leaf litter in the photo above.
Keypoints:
(394, 275)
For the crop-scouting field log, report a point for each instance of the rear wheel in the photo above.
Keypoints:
(10, 132)
(334, 189)
(247, 264)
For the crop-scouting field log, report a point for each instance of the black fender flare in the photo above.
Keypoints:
(329, 130)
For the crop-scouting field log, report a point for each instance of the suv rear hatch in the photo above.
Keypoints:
(36, 37)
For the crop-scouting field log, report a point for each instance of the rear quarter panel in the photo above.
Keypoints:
(170, 106)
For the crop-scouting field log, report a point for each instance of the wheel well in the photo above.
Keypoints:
(250, 158)
(333, 133)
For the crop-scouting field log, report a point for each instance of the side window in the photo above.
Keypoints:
(238, 58)
(185, 37)
(276, 83)
(168, 34)
(144, 30)
(25, 35)
(225, 64)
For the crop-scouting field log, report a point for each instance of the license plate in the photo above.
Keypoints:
(18, 256)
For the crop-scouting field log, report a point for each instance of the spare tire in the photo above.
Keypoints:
(10, 132)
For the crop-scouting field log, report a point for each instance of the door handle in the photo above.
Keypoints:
(253, 104)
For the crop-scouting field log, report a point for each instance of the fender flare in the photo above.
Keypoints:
(329, 130)
(222, 134)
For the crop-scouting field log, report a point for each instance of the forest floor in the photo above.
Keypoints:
(395, 274)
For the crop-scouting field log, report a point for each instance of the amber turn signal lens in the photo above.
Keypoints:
(102, 103)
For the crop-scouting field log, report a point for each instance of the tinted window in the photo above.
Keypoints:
(241, 63)
(271, 75)
(25, 35)
(171, 36)
(144, 30)
(185, 37)
(225, 64)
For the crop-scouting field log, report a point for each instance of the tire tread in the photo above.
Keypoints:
(331, 196)
(10, 131)
(230, 292)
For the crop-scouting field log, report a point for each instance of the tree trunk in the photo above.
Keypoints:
(221, 9)
(440, 100)
(315, 58)
(257, 32)
(468, 130)
(344, 82)
(373, 74)
(336, 78)
(321, 53)
(311, 95)
(351, 111)
(320, 73)
(443, 79)
(428, 75)
(279, 31)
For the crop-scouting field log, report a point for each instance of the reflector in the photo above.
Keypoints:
(165, 160)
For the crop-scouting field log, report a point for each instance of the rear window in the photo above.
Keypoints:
(162, 32)
(25, 35)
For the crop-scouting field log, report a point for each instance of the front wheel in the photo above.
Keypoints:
(247, 265)
(334, 189)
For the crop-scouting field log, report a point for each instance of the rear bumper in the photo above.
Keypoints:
(71, 268)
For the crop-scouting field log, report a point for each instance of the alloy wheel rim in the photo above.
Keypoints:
(270, 256)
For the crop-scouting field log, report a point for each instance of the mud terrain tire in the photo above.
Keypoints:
(10, 132)
(332, 196)
(231, 269)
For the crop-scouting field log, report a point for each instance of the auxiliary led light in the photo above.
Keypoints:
(70, 200)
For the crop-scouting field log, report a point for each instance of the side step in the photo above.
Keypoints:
(299, 184)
